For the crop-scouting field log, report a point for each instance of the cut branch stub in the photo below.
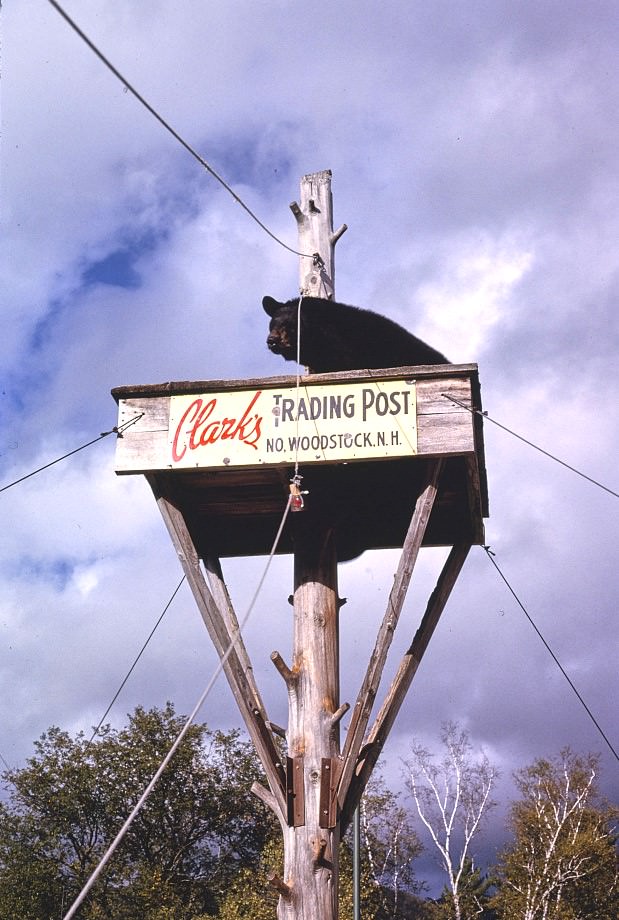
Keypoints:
(290, 677)
(317, 239)
(280, 886)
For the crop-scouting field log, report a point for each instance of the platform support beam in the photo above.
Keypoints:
(395, 602)
(229, 645)
(401, 683)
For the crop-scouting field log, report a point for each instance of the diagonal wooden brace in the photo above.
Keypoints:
(370, 685)
(226, 644)
(402, 681)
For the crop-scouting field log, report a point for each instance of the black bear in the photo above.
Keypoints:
(336, 337)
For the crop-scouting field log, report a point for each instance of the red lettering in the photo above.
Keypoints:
(195, 406)
(197, 428)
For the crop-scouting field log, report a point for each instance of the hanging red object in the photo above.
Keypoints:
(296, 495)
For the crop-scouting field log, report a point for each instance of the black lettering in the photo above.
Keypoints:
(315, 407)
(394, 401)
(335, 406)
(349, 406)
(368, 402)
(287, 407)
(382, 404)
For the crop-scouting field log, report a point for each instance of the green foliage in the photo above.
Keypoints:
(202, 847)
(198, 827)
(250, 897)
(562, 864)
(474, 890)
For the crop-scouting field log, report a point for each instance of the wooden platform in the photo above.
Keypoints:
(367, 448)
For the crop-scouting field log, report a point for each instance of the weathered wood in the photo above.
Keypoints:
(443, 427)
(186, 387)
(280, 886)
(226, 646)
(371, 682)
(221, 597)
(314, 217)
(268, 799)
(289, 676)
(312, 733)
(402, 681)
(178, 387)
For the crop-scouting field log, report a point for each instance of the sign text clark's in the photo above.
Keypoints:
(344, 421)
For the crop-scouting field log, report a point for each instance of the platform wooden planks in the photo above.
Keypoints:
(235, 510)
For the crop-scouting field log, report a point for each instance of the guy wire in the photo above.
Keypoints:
(137, 658)
(116, 430)
(490, 556)
(170, 129)
(530, 444)
(220, 666)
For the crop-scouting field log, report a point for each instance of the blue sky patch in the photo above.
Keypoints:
(116, 269)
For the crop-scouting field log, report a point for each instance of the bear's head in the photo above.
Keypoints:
(282, 337)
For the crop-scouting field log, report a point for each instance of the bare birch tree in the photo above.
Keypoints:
(390, 846)
(452, 797)
(563, 863)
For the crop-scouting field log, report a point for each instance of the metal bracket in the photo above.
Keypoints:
(267, 738)
(329, 777)
(295, 792)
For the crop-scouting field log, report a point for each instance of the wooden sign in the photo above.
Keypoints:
(318, 424)
(360, 416)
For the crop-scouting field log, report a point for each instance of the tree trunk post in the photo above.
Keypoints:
(311, 838)
(314, 217)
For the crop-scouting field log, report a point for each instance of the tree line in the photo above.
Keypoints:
(203, 846)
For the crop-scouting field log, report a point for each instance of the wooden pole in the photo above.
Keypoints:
(317, 239)
(311, 837)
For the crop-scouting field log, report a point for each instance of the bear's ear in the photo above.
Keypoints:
(271, 306)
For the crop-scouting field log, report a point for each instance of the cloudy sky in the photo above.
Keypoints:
(474, 156)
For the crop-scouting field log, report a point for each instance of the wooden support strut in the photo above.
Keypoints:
(221, 597)
(227, 646)
(371, 682)
(402, 681)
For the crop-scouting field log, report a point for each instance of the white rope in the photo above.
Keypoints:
(296, 455)
(113, 846)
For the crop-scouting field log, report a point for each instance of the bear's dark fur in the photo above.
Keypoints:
(336, 337)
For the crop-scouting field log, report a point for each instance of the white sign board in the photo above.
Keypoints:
(309, 424)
